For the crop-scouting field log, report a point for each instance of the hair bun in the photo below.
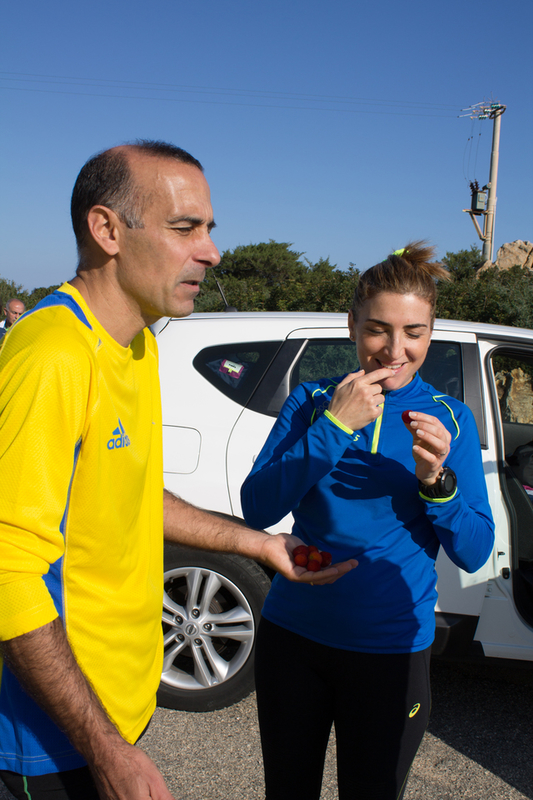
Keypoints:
(409, 270)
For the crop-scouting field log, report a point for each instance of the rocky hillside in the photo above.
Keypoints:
(515, 394)
(512, 254)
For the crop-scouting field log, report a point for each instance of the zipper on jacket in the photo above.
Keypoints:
(377, 431)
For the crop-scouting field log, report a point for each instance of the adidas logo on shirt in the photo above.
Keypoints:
(119, 438)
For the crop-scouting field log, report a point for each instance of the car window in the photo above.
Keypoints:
(513, 384)
(323, 358)
(513, 377)
(443, 368)
(236, 369)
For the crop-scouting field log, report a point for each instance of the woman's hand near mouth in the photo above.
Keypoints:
(357, 399)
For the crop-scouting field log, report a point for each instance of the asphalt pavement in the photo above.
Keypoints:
(479, 744)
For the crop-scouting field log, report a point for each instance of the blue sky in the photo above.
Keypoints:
(333, 125)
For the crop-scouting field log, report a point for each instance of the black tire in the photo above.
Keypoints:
(211, 610)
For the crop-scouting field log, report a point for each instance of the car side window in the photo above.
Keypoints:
(443, 368)
(513, 384)
(323, 358)
(513, 377)
(236, 369)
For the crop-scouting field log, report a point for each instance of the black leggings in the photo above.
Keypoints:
(378, 703)
(74, 784)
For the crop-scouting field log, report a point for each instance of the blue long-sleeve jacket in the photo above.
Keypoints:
(356, 495)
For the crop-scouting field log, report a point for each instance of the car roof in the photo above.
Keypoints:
(326, 318)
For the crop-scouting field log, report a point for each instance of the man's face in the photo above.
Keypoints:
(14, 310)
(161, 266)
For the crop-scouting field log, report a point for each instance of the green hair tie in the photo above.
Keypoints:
(400, 252)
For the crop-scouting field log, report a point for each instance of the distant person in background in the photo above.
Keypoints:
(13, 309)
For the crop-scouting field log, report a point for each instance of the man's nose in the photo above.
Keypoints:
(210, 255)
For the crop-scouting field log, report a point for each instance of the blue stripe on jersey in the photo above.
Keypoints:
(31, 718)
(54, 583)
(58, 298)
(57, 753)
(54, 577)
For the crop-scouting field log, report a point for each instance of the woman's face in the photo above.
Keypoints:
(393, 331)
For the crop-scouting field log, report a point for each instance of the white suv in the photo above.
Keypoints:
(224, 378)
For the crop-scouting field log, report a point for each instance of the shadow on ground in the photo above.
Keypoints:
(485, 712)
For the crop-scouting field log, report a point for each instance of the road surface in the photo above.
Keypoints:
(479, 744)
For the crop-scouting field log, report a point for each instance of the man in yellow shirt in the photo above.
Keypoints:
(83, 508)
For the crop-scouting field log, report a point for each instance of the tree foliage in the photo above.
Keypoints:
(9, 289)
(503, 297)
(269, 276)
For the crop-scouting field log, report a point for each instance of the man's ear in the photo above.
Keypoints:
(103, 226)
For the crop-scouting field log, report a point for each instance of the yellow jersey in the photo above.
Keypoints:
(81, 517)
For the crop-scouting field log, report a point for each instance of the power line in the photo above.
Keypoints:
(219, 103)
(214, 89)
(386, 105)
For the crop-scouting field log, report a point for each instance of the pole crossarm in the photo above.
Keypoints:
(484, 110)
(473, 216)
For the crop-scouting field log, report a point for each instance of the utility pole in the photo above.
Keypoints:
(494, 112)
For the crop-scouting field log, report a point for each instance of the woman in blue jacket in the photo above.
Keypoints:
(362, 482)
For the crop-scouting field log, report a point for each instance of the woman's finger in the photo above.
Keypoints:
(435, 444)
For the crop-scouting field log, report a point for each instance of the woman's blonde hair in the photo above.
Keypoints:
(407, 271)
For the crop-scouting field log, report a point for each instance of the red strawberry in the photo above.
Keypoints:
(311, 557)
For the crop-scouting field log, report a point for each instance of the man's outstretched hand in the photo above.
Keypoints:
(277, 553)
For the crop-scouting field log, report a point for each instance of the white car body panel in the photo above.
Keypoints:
(211, 441)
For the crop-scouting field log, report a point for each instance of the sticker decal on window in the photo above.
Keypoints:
(231, 368)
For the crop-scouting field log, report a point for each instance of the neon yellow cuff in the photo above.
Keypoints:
(338, 423)
(437, 499)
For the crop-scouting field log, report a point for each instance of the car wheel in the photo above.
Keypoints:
(211, 608)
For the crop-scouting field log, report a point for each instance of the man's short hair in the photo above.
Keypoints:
(14, 299)
(107, 180)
